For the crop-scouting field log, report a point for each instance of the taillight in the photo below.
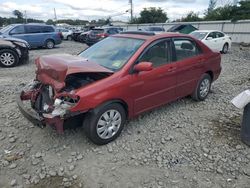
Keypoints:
(60, 34)
(102, 35)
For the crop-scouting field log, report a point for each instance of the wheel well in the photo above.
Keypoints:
(211, 74)
(50, 40)
(119, 101)
(9, 48)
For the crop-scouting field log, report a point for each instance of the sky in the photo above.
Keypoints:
(97, 9)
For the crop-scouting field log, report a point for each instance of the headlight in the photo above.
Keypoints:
(21, 44)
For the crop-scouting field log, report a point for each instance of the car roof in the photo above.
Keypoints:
(152, 37)
(207, 31)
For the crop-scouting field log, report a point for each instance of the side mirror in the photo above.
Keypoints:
(209, 38)
(143, 66)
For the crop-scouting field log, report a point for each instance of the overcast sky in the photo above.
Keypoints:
(96, 9)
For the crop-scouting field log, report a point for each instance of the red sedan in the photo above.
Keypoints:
(116, 79)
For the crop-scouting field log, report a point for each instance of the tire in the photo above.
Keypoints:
(69, 37)
(49, 44)
(225, 48)
(8, 58)
(203, 88)
(98, 124)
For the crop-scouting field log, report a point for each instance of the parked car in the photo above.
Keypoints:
(83, 36)
(155, 29)
(13, 51)
(66, 33)
(37, 35)
(215, 40)
(97, 34)
(99, 88)
(182, 28)
(76, 33)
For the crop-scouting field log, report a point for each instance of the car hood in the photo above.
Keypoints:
(53, 69)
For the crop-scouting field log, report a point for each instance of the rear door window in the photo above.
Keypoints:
(47, 29)
(18, 30)
(33, 29)
(185, 48)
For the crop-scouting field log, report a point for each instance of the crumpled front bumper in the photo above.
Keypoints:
(37, 119)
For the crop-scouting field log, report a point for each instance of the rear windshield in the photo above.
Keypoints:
(97, 31)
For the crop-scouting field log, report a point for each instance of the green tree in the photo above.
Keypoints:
(50, 22)
(226, 12)
(211, 6)
(18, 14)
(242, 11)
(191, 17)
(152, 15)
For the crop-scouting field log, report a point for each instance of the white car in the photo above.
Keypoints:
(215, 40)
(66, 33)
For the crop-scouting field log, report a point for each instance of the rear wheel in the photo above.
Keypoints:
(105, 123)
(203, 88)
(8, 58)
(49, 44)
(225, 48)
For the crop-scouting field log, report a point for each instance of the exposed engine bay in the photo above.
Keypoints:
(50, 104)
(78, 80)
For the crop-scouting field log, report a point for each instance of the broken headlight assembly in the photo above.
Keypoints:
(61, 105)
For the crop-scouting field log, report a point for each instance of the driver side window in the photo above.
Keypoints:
(17, 30)
(213, 35)
(157, 54)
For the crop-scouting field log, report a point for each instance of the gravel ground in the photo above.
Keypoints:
(182, 144)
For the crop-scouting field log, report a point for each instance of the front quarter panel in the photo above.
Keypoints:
(108, 89)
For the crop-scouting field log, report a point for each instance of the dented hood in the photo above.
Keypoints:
(53, 69)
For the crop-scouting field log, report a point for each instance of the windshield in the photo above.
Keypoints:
(112, 52)
(199, 35)
(3, 30)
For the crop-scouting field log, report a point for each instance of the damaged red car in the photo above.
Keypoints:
(117, 79)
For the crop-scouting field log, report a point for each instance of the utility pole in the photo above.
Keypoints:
(25, 13)
(131, 10)
(55, 15)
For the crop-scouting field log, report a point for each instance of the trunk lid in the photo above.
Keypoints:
(53, 69)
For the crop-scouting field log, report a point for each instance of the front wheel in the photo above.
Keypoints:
(105, 123)
(225, 48)
(203, 88)
(69, 38)
(8, 58)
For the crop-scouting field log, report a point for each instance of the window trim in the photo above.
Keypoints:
(184, 38)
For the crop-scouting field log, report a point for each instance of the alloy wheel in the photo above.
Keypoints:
(204, 87)
(108, 124)
(7, 58)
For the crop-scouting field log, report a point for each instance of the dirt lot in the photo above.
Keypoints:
(182, 144)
